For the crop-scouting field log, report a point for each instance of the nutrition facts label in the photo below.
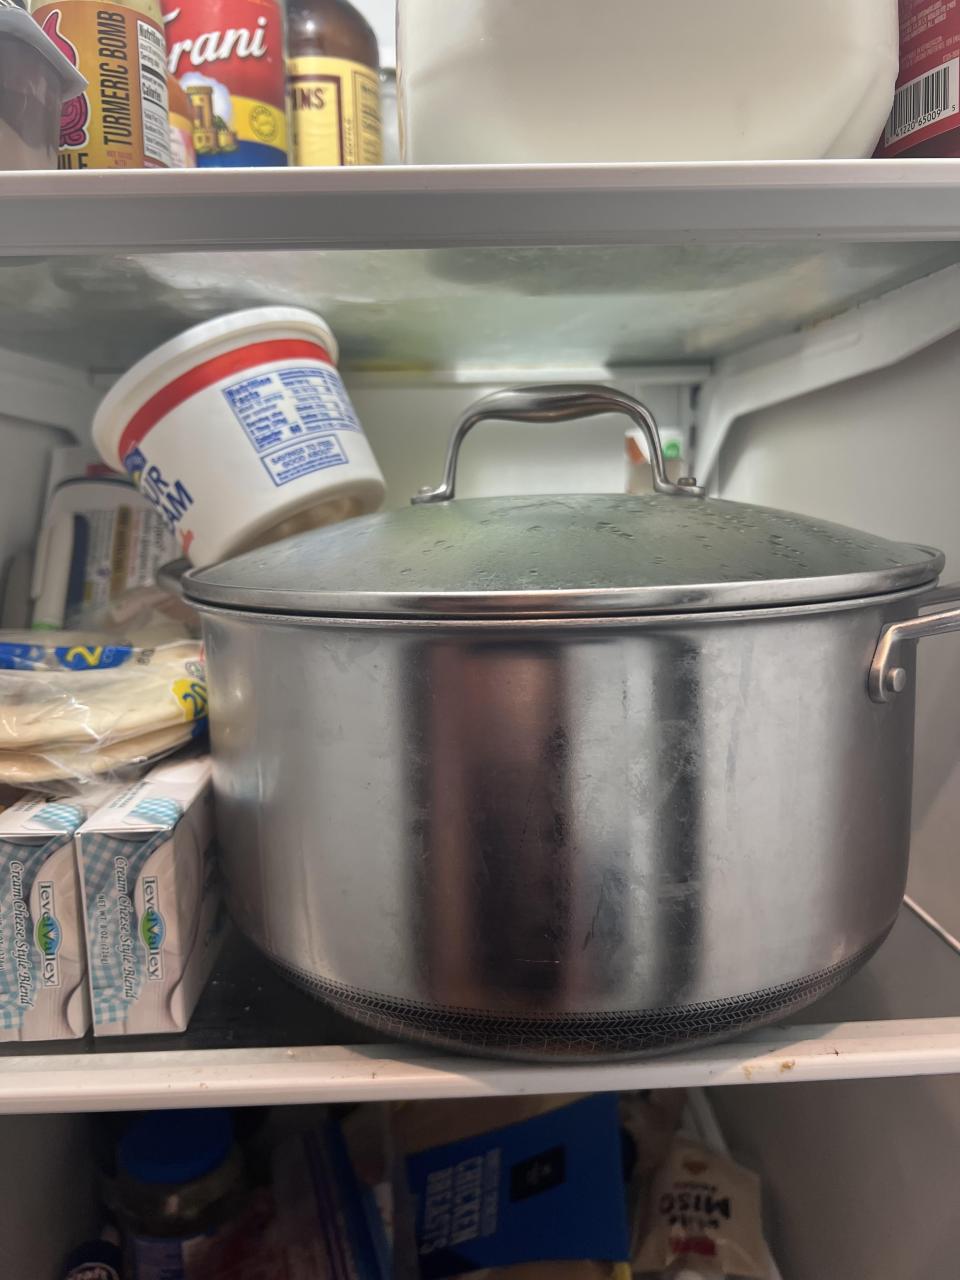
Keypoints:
(153, 93)
(284, 412)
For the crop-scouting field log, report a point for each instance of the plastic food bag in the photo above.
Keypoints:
(704, 1219)
(157, 611)
(314, 1221)
(74, 708)
(651, 1121)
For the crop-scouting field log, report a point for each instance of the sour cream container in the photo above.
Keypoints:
(240, 432)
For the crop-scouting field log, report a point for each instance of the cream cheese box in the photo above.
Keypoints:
(43, 961)
(152, 901)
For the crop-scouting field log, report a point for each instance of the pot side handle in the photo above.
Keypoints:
(886, 680)
(558, 404)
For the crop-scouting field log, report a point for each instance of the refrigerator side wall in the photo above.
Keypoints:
(883, 453)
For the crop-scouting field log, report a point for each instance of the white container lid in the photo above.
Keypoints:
(184, 352)
(16, 24)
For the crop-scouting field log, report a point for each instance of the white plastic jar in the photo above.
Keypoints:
(240, 432)
(558, 81)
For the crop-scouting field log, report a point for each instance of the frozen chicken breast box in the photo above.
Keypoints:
(152, 902)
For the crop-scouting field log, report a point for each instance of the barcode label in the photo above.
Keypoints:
(929, 98)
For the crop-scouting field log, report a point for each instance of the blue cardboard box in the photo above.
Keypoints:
(547, 1189)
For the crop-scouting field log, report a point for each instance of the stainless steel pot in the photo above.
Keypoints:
(579, 776)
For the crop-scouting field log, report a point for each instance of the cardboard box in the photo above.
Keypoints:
(152, 901)
(545, 1189)
(43, 959)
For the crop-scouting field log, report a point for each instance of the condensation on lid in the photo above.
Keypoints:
(570, 555)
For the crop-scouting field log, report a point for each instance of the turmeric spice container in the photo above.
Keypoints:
(120, 121)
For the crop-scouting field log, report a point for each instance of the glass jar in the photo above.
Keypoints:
(180, 1181)
(120, 121)
(333, 85)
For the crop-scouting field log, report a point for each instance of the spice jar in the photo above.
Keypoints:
(333, 85)
(120, 121)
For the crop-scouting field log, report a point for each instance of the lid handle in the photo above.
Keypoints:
(558, 404)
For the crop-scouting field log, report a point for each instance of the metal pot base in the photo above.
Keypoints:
(578, 1037)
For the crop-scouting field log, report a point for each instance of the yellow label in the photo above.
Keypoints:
(259, 122)
(334, 112)
(83, 657)
(252, 121)
(120, 120)
(192, 696)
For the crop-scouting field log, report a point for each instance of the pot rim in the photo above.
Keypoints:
(563, 605)
(564, 555)
(553, 622)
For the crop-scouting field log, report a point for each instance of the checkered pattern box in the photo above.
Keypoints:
(151, 899)
(43, 961)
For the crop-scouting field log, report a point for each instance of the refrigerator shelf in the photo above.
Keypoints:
(255, 1041)
(412, 206)
(173, 1078)
(470, 271)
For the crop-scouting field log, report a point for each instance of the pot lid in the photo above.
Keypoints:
(568, 555)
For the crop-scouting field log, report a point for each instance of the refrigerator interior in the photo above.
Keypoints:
(863, 1181)
(712, 295)
(883, 453)
(857, 1173)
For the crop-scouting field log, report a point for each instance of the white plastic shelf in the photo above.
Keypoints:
(447, 269)
(372, 1073)
(430, 207)
(256, 1041)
